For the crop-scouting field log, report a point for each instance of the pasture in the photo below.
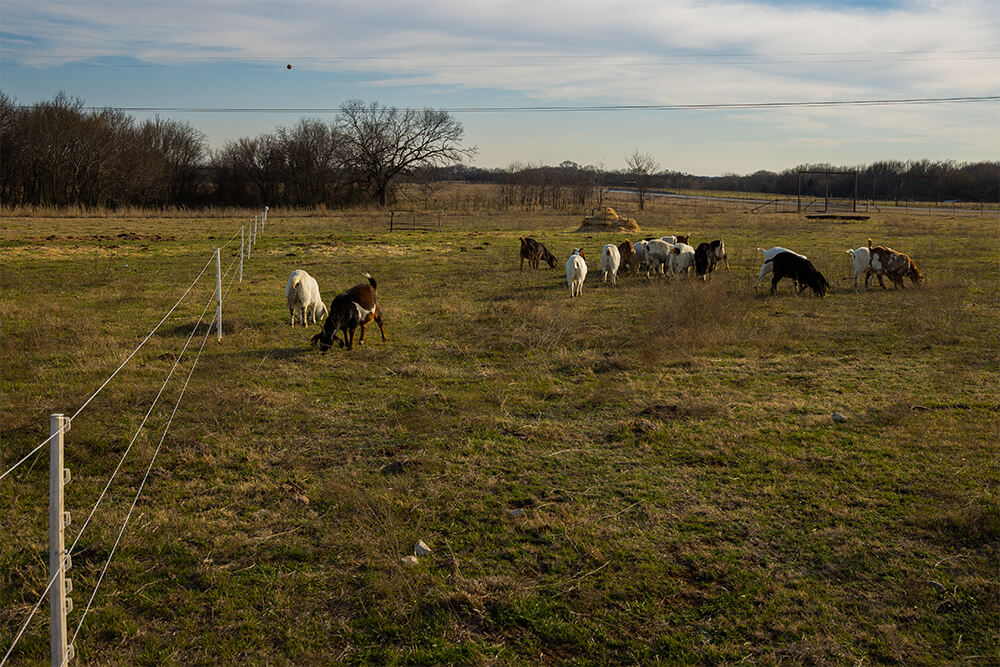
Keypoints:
(646, 474)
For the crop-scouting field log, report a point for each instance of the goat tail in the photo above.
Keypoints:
(371, 281)
(761, 250)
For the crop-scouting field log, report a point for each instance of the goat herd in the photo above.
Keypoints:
(668, 255)
(672, 255)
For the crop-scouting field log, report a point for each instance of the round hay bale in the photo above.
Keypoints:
(607, 220)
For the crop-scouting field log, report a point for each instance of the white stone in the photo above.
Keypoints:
(421, 549)
(839, 418)
(409, 561)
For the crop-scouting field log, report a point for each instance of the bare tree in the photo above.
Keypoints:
(642, 167)
(382, 143)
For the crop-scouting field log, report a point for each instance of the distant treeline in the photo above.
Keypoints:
(58, 153)
(891, 180)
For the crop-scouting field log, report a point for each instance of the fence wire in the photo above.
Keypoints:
(166, 429)
(142, 485)
(69, 551)
(112, 376)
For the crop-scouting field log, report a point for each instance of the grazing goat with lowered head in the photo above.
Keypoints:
(354, 308)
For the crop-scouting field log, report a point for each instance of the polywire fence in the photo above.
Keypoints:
(217, 296)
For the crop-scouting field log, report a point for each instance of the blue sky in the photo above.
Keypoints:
(201, 54)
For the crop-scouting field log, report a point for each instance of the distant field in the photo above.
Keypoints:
(683, 494)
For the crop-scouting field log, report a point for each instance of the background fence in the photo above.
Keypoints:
(60, 560)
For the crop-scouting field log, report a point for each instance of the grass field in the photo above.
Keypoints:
(683, 494)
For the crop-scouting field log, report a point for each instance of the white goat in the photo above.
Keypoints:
(302, 293)
(611, 259)
(576, 272)
(862, 263)
(681, 259)
(769, 256)
(669, 239)
(640, 254)
(657, 254)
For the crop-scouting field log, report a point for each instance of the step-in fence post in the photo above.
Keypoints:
(263, 220)
(218, 293)
(249, 238)
(241, 253)
(59, 563)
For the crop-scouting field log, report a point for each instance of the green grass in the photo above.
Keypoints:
(686, 497)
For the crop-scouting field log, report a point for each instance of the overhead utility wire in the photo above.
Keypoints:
(591, 108)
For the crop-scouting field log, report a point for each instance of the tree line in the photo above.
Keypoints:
(59, 153)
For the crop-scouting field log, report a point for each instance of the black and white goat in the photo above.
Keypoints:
(356, 307)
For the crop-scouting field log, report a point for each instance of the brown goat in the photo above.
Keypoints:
(629, 263)
(533, 251)
(896, 265)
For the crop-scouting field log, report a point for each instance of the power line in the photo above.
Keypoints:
(498, 59)
(720, 106)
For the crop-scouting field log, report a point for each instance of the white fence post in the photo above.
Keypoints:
(59, 604)
(218, 292)
(249, 238)
(241, 253)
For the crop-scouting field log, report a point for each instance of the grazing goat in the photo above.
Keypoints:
(862, 264)
(683, 238)
(657, 254)
(895, 265)
(576, 272)
(704, 260)
(533, 251)
(611, 260)
(629, 263)
(719, 248)
(769, 256)
(302, 294)
(800, 270)
(354, 308)
(669, 239)
(681, 259)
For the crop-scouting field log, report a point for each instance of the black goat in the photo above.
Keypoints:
(800, 270)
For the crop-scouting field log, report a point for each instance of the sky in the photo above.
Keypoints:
(539, 82)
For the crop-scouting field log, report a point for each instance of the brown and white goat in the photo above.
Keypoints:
(896, 265)
(356, 307)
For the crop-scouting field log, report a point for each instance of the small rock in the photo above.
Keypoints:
(421, 549)
(514, 513)
(839, 418)
(303, 500)
(409, 561)
(259, 514)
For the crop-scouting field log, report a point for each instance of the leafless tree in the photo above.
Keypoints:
(642, 167)
(383, 143)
